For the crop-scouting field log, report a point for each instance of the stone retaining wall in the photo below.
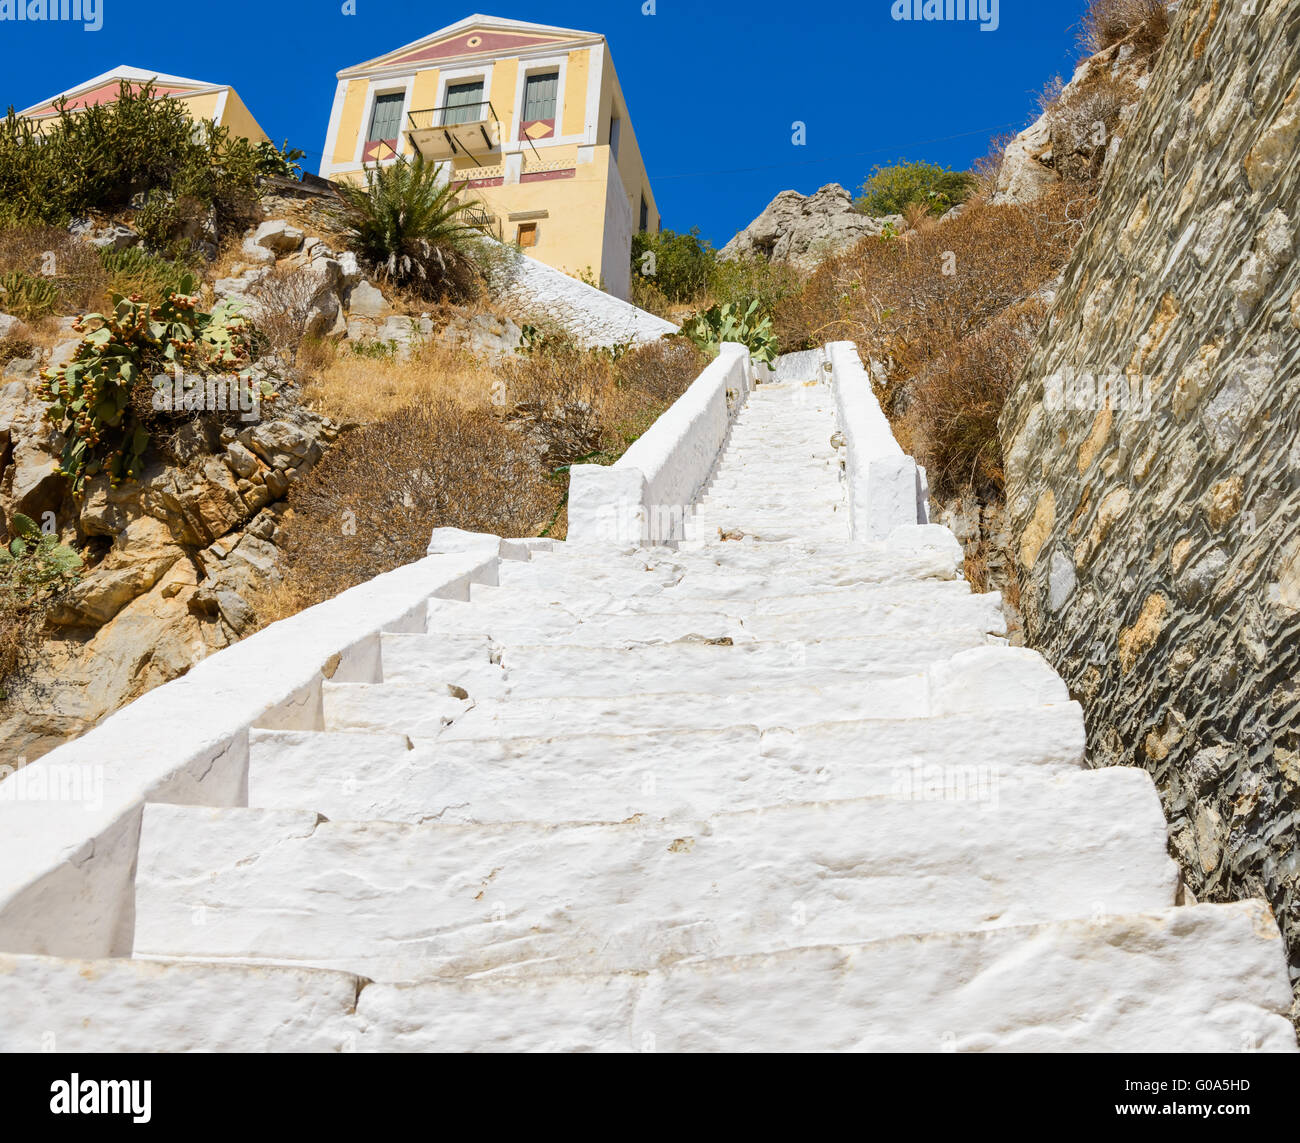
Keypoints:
(1153, 455)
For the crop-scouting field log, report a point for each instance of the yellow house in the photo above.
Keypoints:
(528, 117)
(203, 100)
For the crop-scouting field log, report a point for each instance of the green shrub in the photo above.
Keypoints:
(406, 225)
(102, 400)
(680, 265)
(278, 162)
(133, 271)
(753, 279)
(27, 296)
(100, 158)
(34, 570)
(733, 322)
(891, 190)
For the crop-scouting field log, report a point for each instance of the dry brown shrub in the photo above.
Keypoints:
(50, 251)
(906, 300)
(1144, 23)
(372, 502)
(556, 397)
(954, 404)
(1083, 122)
(285, 298)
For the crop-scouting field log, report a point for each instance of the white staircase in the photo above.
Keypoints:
(780, 791)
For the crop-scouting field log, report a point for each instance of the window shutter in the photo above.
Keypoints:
(464, 103)
(540, 94)
(386, 121)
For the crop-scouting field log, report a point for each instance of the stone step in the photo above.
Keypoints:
(928, 606)
(559, 670)
(1210, 978)
(451, 663)
(419, 711)
(658, 773)
(979, 679)
(56, 1005)
(397, 902)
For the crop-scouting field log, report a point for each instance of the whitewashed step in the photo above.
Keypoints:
(788, 706)
(559, 670)
(980, 679)
(1210, 978)
(56, 1005)
(440, 661)
(658, 773)
(614, 629)
(393, 901)
(417, 711)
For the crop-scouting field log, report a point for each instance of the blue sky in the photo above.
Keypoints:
(713, 89)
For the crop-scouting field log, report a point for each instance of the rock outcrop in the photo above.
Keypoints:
(805, 230)
(174, 559)
(1153, 472)
(1081, 128)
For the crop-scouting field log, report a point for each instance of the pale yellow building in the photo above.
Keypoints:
(203, 100)
(529, 118)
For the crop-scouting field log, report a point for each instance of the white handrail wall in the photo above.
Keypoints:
(887, 489)
(646, 496)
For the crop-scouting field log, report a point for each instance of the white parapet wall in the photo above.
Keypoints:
(590, 316)
(646, 496)
(887, 489)
(70, 821)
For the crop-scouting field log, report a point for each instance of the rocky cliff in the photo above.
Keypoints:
(805, 230)
(1153, 455)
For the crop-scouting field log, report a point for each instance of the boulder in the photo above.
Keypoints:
(9, 325)
(366, 301)
(804, 230)
(277, 236)
(111, 236)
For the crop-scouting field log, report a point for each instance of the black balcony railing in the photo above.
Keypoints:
(452, 115)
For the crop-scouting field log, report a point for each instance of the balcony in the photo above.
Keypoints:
(468, 129)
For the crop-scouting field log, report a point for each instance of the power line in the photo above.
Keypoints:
(893, 148)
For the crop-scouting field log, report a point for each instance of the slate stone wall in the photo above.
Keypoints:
(1153, 455)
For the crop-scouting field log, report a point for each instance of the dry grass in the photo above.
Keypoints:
(1143, 23)
(904, 300)
(52, 253)
(450, 450)
(355, 389)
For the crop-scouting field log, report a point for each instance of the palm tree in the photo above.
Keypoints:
(406, 225)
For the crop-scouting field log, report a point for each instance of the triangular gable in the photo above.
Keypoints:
(105, 88)
(474, 37)
(474, 43)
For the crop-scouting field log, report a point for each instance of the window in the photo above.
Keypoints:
(614, 122)
(464, 103)
(386, 119)
(526, 234)
(645, 214)
(540, 92)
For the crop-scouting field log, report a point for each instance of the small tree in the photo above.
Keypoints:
(892, 189)
(407, 225)
(680, 265)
